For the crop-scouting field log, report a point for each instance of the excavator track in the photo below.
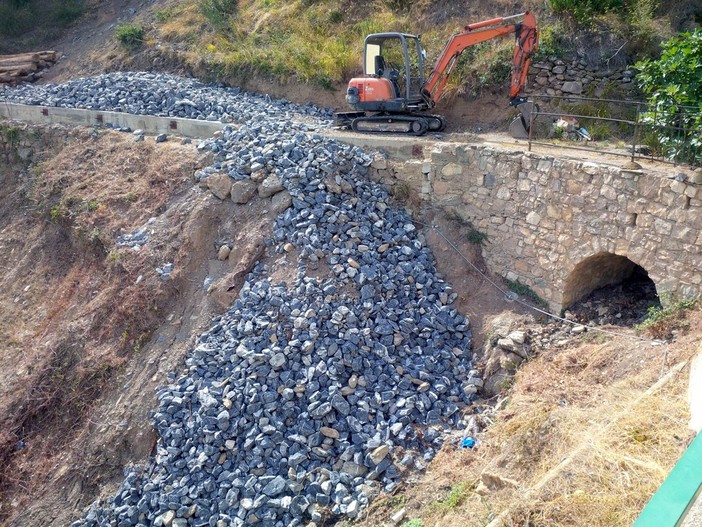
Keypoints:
(398, 124)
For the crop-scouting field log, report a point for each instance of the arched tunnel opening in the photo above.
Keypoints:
(609, 289)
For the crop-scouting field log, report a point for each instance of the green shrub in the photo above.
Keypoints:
(218, 12)
(584, 11)
(661, 322)
(476, 237)
(130, 35)
(551, 42)
(399, 6)
(673, 85)
(336, 16)
(68, 11)
(599, 130)
(455, 496)
(15, 20)
(163, 15)
(11, 134)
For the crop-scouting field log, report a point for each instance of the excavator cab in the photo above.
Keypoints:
(393, 68)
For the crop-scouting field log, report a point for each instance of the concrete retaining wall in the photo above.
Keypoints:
(78, 117)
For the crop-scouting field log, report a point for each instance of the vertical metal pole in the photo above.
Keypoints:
(655, 128)
(636, 132)
(677, 149)
(531, 120)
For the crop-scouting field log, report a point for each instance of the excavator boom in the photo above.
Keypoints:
(526, 45)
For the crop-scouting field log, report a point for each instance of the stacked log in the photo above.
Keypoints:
(25, 67)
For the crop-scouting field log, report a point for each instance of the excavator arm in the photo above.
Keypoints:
(526, 45)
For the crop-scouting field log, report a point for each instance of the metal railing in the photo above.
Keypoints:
(669, 134)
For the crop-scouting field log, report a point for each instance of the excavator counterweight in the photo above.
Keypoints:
(393, 95)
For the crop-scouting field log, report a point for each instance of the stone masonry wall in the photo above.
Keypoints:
(544, 216)
(576, 77)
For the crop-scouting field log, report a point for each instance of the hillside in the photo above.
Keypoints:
(248, 331)
(306, 50)
(118, 322)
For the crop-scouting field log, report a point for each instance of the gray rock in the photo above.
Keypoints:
(269, 186)
(281, 201)
(574, 87)
(274, 487)
(243, 191)
(289, 404)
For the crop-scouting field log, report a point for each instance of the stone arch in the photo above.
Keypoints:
(596, 271)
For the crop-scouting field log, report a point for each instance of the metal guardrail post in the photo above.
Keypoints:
(668, 506)
(636, 133)
(531, 119)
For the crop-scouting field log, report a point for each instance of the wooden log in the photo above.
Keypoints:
(19, 59)
(50, 56)
(20, 69)
(24, 67)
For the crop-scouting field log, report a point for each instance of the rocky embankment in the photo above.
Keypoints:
(306, 399)
(160, 95)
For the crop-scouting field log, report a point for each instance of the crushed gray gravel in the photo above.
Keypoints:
(304, 400)
(161, 95)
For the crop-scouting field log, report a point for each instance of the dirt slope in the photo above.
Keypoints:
(89, 328)
(583, 437)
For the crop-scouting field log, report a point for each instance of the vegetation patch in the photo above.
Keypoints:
(674, 90)
(524, 290)
(130, 35)
(19, 18)
(662, 322)
(455, 496)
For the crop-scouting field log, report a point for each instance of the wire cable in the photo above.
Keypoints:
(511, 296)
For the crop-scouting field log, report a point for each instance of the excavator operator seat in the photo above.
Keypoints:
(379, 65)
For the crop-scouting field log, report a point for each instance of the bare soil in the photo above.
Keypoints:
(89, 329)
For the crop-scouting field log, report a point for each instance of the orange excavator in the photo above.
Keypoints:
(393, 95)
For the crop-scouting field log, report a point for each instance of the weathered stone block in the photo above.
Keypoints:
(220, 185)
(608, 192)
(678, 186)
(411, 172)
(243, 191)
(380, 162)
(269, 186)
(662, 226)
(533, 218)
(523, 184)
(503, 193)
(452, 170)
(684, 233)
(573, 87)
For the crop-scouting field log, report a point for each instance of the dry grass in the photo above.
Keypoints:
(313, 42)
(581, 432)
(74, 314)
